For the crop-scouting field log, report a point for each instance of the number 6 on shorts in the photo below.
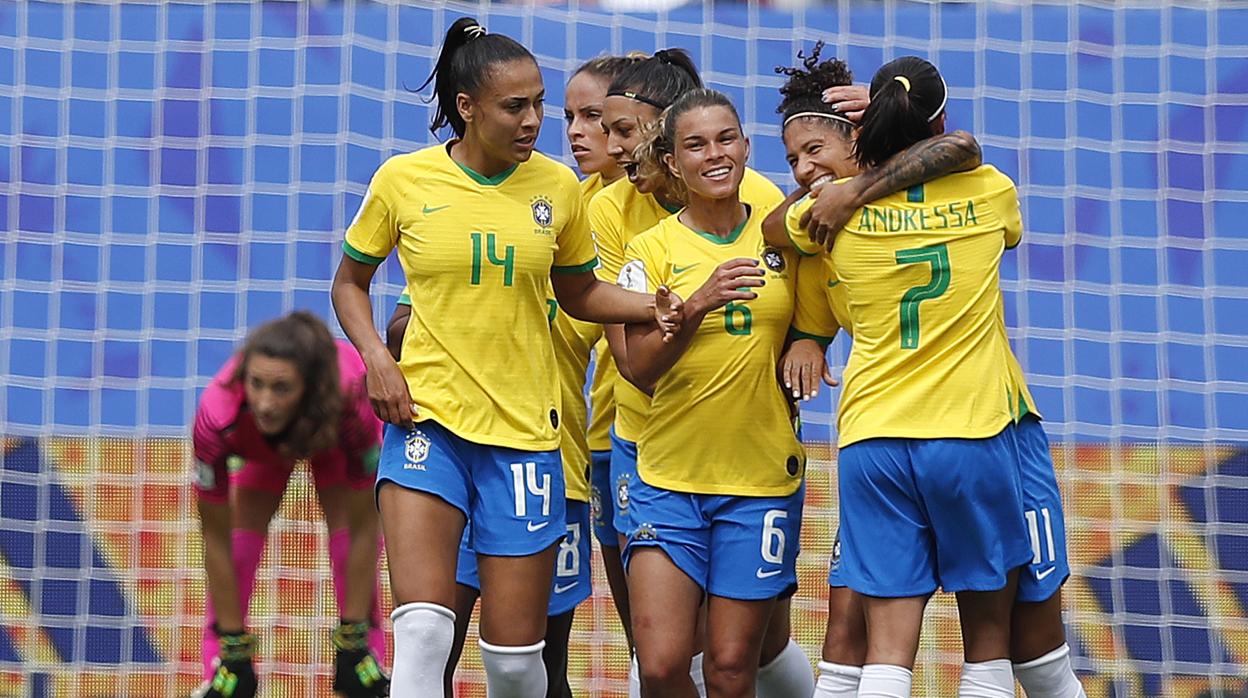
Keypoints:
(772, 547)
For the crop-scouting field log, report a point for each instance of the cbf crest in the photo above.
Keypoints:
(773, 259)
(543, 212)
(416, 450)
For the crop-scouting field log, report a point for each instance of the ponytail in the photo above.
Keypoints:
(907, 95)
(465, 62)
(658, 80)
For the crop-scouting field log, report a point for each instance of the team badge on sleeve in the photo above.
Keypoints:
(416, 450)
(543, 211)
(633, 276)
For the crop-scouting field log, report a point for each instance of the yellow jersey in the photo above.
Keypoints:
(921, 269)
(719, 421)
(602, 390)
(822, 305)
(477, 253)
(619, 213)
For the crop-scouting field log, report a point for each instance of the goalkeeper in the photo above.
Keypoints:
(292, 393)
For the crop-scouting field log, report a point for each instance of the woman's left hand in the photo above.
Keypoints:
(802, 366)
(669, 312)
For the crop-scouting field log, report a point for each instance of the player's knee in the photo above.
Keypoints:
(423, 627)
(728, 666)
(512, 671)
(845, 641)
(663, 673)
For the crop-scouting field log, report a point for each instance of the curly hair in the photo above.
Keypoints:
(303, 339)
(803, 91)
(649, 155)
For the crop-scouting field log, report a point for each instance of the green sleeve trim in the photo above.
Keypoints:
(1010, 247)
(404, 299)
(798, 334)
(796, 247)
(576, 269)
(360, 257)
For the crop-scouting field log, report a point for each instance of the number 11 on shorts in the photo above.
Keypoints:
(525, 482)
(1033, 526)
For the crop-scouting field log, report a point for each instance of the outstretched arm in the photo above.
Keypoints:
(922, 162)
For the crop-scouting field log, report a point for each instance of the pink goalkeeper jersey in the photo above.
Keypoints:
(227, 440)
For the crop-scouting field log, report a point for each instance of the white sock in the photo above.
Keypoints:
(695, 673)
(837, 680)
(514, 672)
(1050, 676)
(634, 679)
(991, 679)
(423, 633)
(885, 681)
(787, 676)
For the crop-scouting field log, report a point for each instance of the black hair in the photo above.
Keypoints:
(464, 64)
(907, 95)
(609, 67)
(802, 93)
(658, 80)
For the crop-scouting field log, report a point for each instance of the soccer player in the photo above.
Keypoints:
(483, 227)
(820, 145)
(574, 341)
(624, 209)
(717, 501)
(929, 476)
(290, 393)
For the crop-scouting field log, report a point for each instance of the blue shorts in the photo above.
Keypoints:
(623, 474)
(835, 577)
(922, 514)
(510, 497)
(571, 584)
(741, 548)
(1042, 510)
(602, 499)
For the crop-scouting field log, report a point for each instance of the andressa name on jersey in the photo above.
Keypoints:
(942, 216)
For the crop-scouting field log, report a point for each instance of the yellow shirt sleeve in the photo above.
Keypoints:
(1005, 204)
(373, 232)
(643, 269)
(606, 225)
(797, 235)
(574, 252)
(812, 315)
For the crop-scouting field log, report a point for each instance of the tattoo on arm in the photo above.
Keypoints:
(923, 162)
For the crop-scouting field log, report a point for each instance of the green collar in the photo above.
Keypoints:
(477, 176)
(732, 237)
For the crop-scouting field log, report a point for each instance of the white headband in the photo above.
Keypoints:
(824, 114)
(475, 31)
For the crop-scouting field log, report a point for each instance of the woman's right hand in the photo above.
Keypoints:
(730, 282)
(387, 392)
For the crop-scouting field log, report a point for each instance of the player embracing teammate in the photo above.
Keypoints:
(717, 298)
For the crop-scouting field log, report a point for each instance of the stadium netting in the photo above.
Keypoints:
(176, 173)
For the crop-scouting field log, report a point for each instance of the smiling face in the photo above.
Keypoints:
(506, 116)
(582, 112)
(274, 390)
(710, 152)
(625, 121)
(818, 151)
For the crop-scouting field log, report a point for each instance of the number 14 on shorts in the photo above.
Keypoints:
(525, 482)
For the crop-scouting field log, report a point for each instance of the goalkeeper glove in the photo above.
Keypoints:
(235, 676)
(356, 671)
